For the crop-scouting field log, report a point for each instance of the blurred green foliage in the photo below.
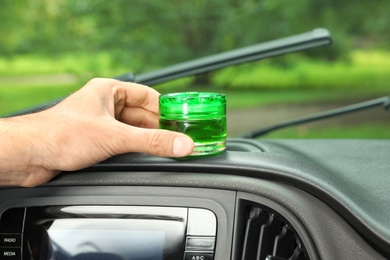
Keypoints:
(99, 38)
(363, 131)
(19, 97)
(150, 34)
(366, 69)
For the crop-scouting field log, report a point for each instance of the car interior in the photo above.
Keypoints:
(268, 199)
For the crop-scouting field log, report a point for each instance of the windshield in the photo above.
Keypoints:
(51, 48)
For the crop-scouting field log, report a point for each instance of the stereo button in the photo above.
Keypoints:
(12, 221)
(198, 256)
(200, 243)
(10, 240)
(11, 253)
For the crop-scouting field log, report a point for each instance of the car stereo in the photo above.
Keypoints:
(107, 232)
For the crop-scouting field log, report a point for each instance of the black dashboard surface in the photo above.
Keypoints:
(350, 176)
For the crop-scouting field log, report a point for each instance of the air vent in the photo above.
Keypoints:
(269, 236)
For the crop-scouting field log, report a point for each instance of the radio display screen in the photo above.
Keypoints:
(91, 239)
(104, 232)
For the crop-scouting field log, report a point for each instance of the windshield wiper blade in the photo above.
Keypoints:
(383, 101)
(315, 38)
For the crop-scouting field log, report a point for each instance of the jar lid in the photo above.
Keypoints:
(192, 105)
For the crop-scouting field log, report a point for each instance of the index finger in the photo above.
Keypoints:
(137, 95)
(124, 94)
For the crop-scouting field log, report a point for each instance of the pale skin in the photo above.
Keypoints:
(104, 118)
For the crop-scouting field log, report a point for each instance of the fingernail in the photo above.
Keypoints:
(182, 146)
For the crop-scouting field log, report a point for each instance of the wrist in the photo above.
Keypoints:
(20, 159)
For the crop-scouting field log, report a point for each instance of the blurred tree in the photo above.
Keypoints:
(12, 15)
(151, 34)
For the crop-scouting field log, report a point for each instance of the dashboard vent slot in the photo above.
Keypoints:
(269, 236)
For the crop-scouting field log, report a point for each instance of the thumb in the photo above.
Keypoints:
(158, 142)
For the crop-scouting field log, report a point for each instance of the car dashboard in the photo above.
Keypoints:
(260, 199)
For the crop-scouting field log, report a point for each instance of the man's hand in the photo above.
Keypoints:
(104, 118)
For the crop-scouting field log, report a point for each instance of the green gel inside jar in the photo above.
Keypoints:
(200, 115)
